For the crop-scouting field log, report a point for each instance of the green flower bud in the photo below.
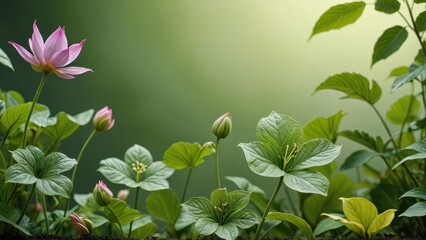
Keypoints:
(102, 194)
(222, 126)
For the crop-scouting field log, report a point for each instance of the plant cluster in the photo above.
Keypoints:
(36, 193)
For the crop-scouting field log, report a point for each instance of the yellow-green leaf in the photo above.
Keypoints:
(359, 210)
(381, 221)
(355, 227)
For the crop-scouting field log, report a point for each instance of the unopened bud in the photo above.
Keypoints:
(123, 194)
(82, 225)
(103, 121)
(222, 126)
(102, 194)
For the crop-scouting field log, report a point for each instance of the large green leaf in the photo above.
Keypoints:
(227, 231)
(314, 205)
(414, 70)
(421, 22)
(244, 184)
(416, 210)
(14, 117)
(306, 181)
(387, 6)
(237, 200)
(9, 216)
(262, 160)
(388, 43)
(316, 152)
(325, 225)
(118, 172)
(164, 205)
(244, 218)
(419, 192)
(66, 124)
(142, 227)
(338, 16)
(199, 207)
(354, 85)
(404, 110)
(353, 226)
(357, 159)
(182, 155)
(155, 177)
(118, 211)
(33, 167)
(364, 139)
(293, 219)
(359, 210)
(323, 127)
(206, 226)
(4, 59)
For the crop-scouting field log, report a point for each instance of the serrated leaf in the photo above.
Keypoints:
(398, 71)
(306, 181)
(414, 71)
(404, 110)
(293, 219)
(357, 159)
(364, 139)
(387, 6)
(338, 16)
(354, 85)
(4, 59)
(388, 43)
(118, 211)
(419, 192)
(13, 117)
(244, 184)
(314, 205)
(421, 22)
(416, 210)
(325, 225)
(323, 127)
(182, 155)
(164, 205)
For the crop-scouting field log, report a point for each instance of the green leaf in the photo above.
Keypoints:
(419, 192)
(387, 6)
(306, 181)
(219, 197)
(14, 117)
(40, 116)
(404, 110)
(261, 160)
(155, 177)
(137, 153)
(388, 43)
(416, 210)
(118, 211)
(279, 131)
(326, 225)
(420, 58)
(419, 146)
(117, 171)
(364, 139)
(359, 210)
(357, 159)
(206, 226)
(244, 184)
(66, 124)
(353, 226)
(9, 216)
(407, 138)
(244, 218)
(338, 16)
(199, 207)
(314, 205)
(398, 71)
(4, 59)
(413, 72)
(410, 158)
(385, 195)
(228, 231)
(419, 1)
(421, 22)
(11, 98)
(381, 221)
(33, 167)
(324, 127)
(293, 219)
(164, 205)
(316, 152)
(182, 155)
(237, 200)
(142, 227)
(354, 85)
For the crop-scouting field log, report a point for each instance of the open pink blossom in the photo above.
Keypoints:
(53, 55)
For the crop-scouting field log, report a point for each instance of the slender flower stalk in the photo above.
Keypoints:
(221, 128)
(46, 221)
(139, 168)
(186, 185)
(26, 204)
(217, 162)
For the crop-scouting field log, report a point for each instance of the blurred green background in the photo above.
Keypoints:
(169, 68)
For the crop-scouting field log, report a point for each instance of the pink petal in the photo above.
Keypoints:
(37, 44)
(25, 54)
(61, 74)
(56, 42)
(60, 58)
(75, 70)
(75, 51)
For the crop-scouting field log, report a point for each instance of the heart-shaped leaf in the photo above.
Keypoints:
(182, 155)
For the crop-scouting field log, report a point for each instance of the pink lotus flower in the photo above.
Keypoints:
(103, 121)
(53, 55)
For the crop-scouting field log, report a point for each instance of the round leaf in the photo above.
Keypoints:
(138, 153)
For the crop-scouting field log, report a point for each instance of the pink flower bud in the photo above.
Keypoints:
(102, 194)
(123, 194)
(103, 121)
(222, 126)
(82, 225)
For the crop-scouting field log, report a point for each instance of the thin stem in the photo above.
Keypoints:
(136, 207)
(186, 185)
(15, 187)
(217, 162)
(67, 205)
(423, 93)
(118, 222)
(410, 106)
(35, 100)
(271, 200)
(410, 12)
(26, 204)
(46, 221)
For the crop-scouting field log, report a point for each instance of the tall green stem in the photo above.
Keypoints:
(217, 162)
(136, 207)
(35, 100)
(46, 221)
(118, 222)
(26, 204)
(271, 200)
(186, 185)
(414, 27)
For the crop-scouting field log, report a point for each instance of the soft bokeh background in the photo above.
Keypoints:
(169, 68)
